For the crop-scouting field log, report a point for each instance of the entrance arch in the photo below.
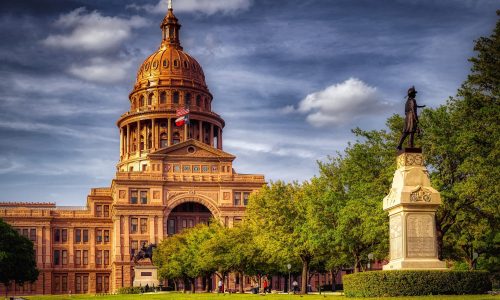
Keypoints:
(187, 211)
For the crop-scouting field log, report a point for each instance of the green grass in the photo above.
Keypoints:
(203, 296)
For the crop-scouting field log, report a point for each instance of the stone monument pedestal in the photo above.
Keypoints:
(146, 274)
(412, 205)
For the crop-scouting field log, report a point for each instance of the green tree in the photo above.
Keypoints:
(17, 257)
(280, 214)
(462, 147)
(178, 257)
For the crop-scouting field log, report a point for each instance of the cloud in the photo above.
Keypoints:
(340, 102)
(101, 70)
(207, 7)
(91, 31)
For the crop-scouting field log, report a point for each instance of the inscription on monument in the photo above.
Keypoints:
(395, 237)
(420, 232)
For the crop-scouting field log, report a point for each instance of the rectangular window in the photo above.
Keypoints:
(190, 223)
(246, 195)
(26, 232)
(133, 196)
(237, 198)
(57, 235)
(134, 245)
(98, 236)
(106, 257)
(85, 235)
(78, 283)
(106, 210)
(78, 257)
(64, 283)
(98, 286)
(64, 235)
(171, 227)
(98, 210)
(106, 283)
(98, 257)
(64, 256)
(144, 225)
(85, 280)
(78, 235)
(33, 234)
(133, 225)
(85, 257)
(56, 257)
(144, 197)
(106, 236)
(57, 283)
(184, 223)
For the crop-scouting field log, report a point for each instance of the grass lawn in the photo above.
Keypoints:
(203, 296)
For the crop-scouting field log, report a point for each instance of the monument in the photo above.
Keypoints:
(412, 204)
(145, 273)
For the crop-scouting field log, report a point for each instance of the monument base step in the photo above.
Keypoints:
(415, 264)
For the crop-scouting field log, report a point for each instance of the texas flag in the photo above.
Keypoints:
(182, 112)
(181, 121)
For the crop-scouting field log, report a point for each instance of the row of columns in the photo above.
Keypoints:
(126, 135)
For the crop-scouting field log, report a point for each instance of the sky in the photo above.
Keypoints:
(290, 78)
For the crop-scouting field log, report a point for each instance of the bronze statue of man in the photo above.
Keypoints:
(411, 119)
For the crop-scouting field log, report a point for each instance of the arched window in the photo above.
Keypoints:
(188, 99)
(177, 138)
(142, 142)
(163, 97)
(163, 140)
(134, 143)
(150, 141)
(198, 100)
(141, 101)
(150, 99)
(176, 98)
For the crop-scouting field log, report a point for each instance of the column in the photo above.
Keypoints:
(153, 133)
(121, 142)
(92, 248)
(71, 240)
(126, 241)
(185, 132)
(211, 134)
(116, 239)
(160, 229)
(151, 230)
(219, 138)
(127, 142)
(39, 247)
(169, 128)
(138, 137)
(200, 131)
(48, 244)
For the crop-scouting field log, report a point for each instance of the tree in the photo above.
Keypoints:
(179, 257)
(17, 257)
(462, 147)
(279, 213)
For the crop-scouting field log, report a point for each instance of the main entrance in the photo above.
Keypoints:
(187, 215)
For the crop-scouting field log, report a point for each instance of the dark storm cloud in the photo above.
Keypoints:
(61, 91)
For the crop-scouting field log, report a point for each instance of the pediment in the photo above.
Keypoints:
(191, 149)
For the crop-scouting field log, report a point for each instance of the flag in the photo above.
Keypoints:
(181, 121)
(182, 111)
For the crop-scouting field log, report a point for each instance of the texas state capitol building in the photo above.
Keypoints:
(168, 178)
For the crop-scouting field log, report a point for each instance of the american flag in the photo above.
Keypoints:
(182, 112)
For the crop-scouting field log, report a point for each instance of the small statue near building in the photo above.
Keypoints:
(411, 119)
(145, 252)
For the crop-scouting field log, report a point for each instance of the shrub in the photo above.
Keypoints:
(416, 283)
(130, 290)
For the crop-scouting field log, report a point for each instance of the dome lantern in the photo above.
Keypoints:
(170, 28)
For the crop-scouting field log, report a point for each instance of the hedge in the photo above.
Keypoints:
(416, 283)
(130, 290)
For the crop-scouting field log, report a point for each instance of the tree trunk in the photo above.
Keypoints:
(241, 282)
(439, 238)
(334, 280)
(305, 269)
(193, 288)
(356, 263)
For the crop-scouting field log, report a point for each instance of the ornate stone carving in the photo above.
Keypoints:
(156, 194)
(122, 194)
(410, 159)
(227, 195)
(420, 232)
(420, 194)
(395, 237)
